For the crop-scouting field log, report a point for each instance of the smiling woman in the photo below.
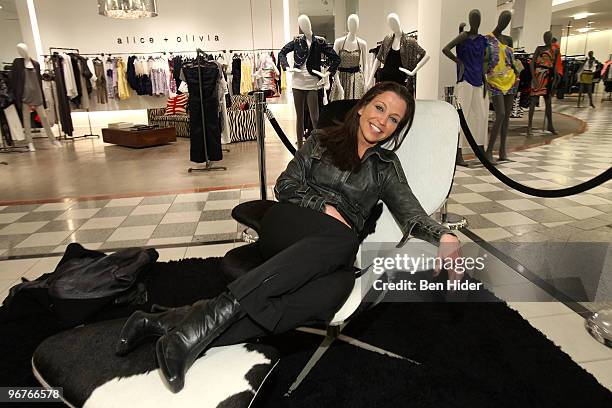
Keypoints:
(377, 118)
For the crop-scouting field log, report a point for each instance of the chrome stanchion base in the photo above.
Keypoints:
(249, 237)
(453, 221)
(599, 325)
(208, 167)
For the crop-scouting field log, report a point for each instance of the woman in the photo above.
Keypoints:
(309, 240)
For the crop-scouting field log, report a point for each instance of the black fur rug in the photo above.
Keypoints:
(471, 355)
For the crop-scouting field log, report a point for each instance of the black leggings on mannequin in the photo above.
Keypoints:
(548, 112)
(503, 108)
(588, 89)
(300, 99)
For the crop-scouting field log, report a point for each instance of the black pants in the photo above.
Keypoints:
(306, 276)
(236, 75)
(212, 132)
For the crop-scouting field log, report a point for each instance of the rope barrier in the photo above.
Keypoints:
(564, 192)
(281, 135)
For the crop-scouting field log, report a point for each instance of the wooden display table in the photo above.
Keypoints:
(139, 138)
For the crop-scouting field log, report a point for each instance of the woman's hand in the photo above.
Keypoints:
(449, 249)
(331, 211)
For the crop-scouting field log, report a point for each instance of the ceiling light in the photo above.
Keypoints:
(584, 30)
(580, 16)
(559, 2)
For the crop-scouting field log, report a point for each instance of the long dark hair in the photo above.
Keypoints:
(341, 139)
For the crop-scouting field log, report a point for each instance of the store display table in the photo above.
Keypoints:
(139, 138)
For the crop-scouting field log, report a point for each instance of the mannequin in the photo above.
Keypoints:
(502, 82)
(542, 63)
(349, 82)
(585, 78)
(26, 82)
(399, 52)
(307, 77)
(470, 90)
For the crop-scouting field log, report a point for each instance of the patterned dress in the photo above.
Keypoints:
(543, 67)
(351, 76)
(501, 78)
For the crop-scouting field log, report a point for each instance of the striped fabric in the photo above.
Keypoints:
(242, 122)
(177, 105)
(158, 117)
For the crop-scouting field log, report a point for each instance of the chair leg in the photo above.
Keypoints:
(332, 334)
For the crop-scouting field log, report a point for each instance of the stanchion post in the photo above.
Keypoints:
(452, 221)
(260, 122)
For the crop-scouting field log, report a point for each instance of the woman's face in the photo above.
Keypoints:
(379, 118)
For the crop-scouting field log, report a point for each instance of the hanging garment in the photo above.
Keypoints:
(171, 81)
(246, 76)
(266, 74)
(122, 85)
(211, 133)
(543, 65)
(63, 103)
(177, 63)
(236, 75)
(77, 79)
(69, 79)
(101, 85)
(50, 96)
(499, 62)
(350, 74)
(131, 72)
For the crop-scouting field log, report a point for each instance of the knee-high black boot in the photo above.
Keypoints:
(141, 326)
(179, 348)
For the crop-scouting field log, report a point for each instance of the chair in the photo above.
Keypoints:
(428, 158)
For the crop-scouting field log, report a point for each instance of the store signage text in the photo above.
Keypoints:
(187, 38)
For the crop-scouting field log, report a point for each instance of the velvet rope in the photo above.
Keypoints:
(281, 135)
(564, 192)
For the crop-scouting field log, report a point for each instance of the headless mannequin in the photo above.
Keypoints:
(588, 88)
(31, 82)
(351, 42)
(501, 103)
(547, 97)
(471, 34)
(394, 24)
(309, 97)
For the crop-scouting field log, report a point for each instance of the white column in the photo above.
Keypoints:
(532, 19)
(438, 24)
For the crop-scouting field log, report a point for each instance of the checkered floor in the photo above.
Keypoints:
(496, 212)
(121, 222)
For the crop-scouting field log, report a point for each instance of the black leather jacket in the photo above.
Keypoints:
(311, 56)
(312, 180)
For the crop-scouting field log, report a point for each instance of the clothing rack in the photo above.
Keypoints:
(255, 49)
(110, 54)
(4, 148)
(90, 134)
(209, 166)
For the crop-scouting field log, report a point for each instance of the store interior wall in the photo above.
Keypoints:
(531, 19)
(193, 24)
(373, 18)
(599, 42)
(10, 32)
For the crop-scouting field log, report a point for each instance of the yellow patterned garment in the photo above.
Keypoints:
(499, 65)
(246, 76)
(123, 89)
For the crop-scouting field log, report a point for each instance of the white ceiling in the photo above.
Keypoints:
(601, 19)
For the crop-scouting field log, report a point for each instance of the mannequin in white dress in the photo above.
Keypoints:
(354, 67)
